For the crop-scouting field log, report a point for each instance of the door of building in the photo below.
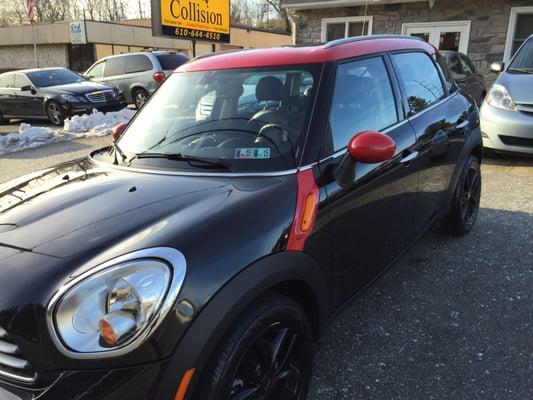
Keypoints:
(449, 35)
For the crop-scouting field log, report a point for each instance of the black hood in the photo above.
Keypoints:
(83, 206)
(79, 88)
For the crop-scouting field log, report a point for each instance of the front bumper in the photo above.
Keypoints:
(87, 108)
(135, 383)
(506, 131)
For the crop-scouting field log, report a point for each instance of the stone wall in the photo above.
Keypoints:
(20, 57)
(489, 23)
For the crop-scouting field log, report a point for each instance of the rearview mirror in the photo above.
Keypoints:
(497, 67)
(118, 130)
(365, 147)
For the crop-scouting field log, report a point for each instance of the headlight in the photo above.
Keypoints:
(70, 98)
(113, 308)
(499, 97)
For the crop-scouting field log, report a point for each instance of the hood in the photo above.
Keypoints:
(519, 86)
(79, 88)
(85, 207)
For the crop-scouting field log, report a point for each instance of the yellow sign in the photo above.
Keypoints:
(197, 19)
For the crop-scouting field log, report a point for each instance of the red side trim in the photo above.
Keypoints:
(306, 187)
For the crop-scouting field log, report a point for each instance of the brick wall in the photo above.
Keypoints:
(20, 57)
(489, 23)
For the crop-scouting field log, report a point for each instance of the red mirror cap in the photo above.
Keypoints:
(371, 147)
(117, 130)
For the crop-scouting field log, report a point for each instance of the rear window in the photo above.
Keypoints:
(171, 61)
(420, 80)
(7, 80)
(138, 63)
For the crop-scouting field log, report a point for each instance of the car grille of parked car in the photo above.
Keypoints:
(527, 108)
(100, 97)
(12, 366)
(516, 141)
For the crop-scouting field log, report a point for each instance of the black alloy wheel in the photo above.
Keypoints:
(465, 206)
(55, 113)
(267, 355)
(140, 96)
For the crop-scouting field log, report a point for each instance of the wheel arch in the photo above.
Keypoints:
(295, 275)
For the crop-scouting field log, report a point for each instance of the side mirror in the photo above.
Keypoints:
(497, 67)
(26, 88)
(365, 147)
(118, 130)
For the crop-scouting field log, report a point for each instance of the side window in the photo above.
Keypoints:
(138, 63)
(362, 100)
(420, 80)
(468, 68)
(115, 66)
(21, 81)
(455, 64)
(446, 72)
(7, 80)
(97, 71)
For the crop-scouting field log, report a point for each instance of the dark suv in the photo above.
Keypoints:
(256, 192)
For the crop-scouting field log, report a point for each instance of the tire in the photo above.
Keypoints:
(55, 113)
(139, 98)
(241, 366)
(465, 204)
(3, 121)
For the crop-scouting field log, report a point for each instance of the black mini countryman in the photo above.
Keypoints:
(258, 191)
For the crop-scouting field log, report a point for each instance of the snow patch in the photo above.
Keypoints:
(79, 126)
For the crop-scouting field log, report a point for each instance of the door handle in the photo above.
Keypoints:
(410, 157)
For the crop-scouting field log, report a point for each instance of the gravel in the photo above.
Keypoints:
(453, 319)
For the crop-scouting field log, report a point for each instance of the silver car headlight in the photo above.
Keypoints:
(499, 97)
(113, 308)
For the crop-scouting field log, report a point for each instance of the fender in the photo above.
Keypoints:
(223, 308)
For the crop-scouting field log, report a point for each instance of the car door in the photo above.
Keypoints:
(8, 95)
(474, 81)
(438, 122)
(28, 102)
(139, 72)
(371, 218)
(115, 74)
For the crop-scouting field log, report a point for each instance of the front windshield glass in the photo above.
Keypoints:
(245, 119)
(53, 77)
(523, 61)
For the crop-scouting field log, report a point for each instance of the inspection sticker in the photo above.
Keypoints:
(253, 153)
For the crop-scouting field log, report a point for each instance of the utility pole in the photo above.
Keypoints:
(140, 9)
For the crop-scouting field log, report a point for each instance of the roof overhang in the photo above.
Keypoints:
(314, 4)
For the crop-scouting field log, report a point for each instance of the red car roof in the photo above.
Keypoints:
(278, 56)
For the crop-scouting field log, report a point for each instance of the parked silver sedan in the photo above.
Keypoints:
(507, 113)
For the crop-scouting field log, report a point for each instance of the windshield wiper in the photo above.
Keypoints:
(118, 151)
(183, 157)
(522, 70)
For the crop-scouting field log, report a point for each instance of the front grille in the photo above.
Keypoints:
(12, 364)
(100, 97)
(516, 141)
(524, 107)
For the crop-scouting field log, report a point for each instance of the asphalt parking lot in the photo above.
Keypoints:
(452, 320)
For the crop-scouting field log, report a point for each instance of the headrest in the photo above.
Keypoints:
(269, 88)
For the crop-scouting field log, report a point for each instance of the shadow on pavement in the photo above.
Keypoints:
(52, 149)
(451, 320)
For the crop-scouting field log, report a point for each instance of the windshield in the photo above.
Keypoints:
(523, 61)
(245, 119)
(53, 77)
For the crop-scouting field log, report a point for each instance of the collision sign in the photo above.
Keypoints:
(204, 20)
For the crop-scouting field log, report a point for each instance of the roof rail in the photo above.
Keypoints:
(216, 53)
(339, 42)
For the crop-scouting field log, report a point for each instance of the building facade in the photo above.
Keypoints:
(485, 30)
(56, 47)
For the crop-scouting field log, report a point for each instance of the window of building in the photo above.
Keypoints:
(81, 56)
(420, 80)
(340, 28)
(520, 28)
(444, 35)
(363, 100)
